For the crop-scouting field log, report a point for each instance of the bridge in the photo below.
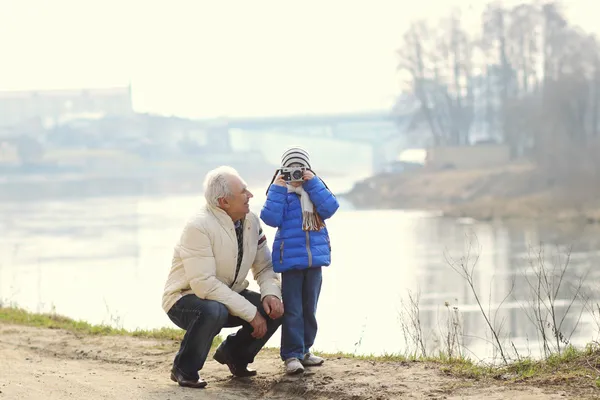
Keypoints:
(383, 131)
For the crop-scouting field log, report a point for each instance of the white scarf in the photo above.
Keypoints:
(311, 221)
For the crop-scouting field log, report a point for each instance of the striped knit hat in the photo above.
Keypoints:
(295, 155)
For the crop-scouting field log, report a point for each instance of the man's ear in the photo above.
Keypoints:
(223, 203)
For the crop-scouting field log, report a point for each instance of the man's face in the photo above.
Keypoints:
(237, 205)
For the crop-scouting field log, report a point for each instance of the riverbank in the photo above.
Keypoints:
(512, 192)
(53, 357)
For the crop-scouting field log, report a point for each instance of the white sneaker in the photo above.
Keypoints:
(310, 360)
(293, 366)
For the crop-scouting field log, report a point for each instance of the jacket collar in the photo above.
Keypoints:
(222, 217)
(227, 223)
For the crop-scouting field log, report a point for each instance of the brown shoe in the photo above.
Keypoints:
(197, 384)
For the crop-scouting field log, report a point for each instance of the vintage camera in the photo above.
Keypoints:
(293, 174)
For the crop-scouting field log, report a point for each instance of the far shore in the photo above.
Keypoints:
(516, 192)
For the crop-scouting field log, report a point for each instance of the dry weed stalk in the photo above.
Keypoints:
(452, 338)
(465, 267)
(544, 288)
(410, 320)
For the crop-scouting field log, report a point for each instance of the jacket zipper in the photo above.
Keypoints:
(281, 253)
(237, 271)
(236, 275)
(308, 250)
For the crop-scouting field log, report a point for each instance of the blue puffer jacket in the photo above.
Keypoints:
(294, 248)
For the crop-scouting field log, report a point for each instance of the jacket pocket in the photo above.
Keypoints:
(281, 253)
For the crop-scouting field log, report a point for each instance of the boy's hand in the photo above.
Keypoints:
(279, 181)
(308, 175)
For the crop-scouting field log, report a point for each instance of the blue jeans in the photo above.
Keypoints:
(203, 320)
(300, 289)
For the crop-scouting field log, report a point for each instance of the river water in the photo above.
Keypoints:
(105, 260)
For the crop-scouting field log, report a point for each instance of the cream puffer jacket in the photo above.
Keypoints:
(205, 259)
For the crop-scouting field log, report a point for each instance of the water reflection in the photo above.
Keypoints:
(106, 259)
(511, 268)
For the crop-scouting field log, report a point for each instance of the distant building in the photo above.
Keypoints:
(467, 157)
(50, 106)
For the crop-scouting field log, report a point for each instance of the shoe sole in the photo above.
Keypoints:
(295, 372)
(314, 365)
(200, 386)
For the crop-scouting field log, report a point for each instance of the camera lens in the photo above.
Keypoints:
(297, 174)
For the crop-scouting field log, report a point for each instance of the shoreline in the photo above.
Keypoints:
(515, 192)
(76, 353)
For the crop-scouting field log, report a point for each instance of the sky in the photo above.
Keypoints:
(220, 58)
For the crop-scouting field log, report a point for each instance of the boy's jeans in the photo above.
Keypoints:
(203, 320)
(300, 290)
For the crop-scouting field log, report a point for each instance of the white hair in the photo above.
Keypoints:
(217, 184)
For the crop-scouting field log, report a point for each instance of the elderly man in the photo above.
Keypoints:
(207, 288)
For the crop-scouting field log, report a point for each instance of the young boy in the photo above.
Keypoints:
(301, 247)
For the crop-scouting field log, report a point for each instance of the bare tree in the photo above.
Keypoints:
(455, 47)
(537, 88)
(494, 45)
(441, 74)
(413, 60)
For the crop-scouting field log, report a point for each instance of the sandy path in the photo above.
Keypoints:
(54, 364)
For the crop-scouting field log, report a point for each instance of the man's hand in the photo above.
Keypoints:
(280, 182)
(308, 175)
(259, 326)
(273, 307)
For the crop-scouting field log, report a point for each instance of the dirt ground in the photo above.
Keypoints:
(54, 364)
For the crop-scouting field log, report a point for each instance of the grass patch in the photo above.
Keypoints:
(571, 365)
(366, 357)
(576, 367)
(18, 316)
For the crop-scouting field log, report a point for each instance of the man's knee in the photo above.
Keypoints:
(214, 312)
(262, 310)
(252, 297)
(274, 324)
